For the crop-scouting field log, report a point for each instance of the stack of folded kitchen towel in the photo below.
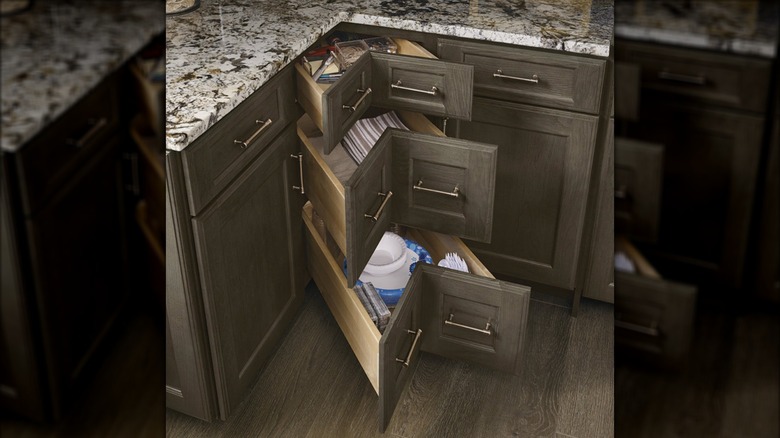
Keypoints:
(365, 133)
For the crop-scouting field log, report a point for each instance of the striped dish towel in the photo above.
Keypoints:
(365, 133)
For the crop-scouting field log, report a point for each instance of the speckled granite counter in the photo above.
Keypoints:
(56, 52)
(220, 54)
(743, 27)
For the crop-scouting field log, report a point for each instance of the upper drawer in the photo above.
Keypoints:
(554, 80)
(421, 180)
(410, 80)
(54, 155)
(724, 79)
(219, 155)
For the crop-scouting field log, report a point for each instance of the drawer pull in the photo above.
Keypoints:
(679, 77)
(454, 193)
(433, 91)
(353, 108)
(245, 144)
(378, 213)
(417, 335)
(486, 331)
(299, 157)
(90, 134)
(500, 74)
(650, 331)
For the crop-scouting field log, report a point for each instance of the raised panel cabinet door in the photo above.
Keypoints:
(545, 158)
(710, 166)
(249, 250)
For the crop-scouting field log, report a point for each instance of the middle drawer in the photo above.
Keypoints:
(413, 79)
(419, 179)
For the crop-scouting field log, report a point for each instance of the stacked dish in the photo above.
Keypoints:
(391, 265)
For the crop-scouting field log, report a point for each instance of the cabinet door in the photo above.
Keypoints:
(710, 166)
(78, 300)
(249, 249)
(544, 165)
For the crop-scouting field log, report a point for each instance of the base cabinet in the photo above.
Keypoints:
(248, 250)
(542, 180)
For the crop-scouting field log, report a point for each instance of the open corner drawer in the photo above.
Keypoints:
(413, 79)
(468, 316)
(653, 316)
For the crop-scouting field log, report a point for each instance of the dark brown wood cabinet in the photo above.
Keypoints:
(542, 183)
(235, 270)
(249, 250)
(63, 255)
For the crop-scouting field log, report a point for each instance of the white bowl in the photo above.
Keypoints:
(388, 256)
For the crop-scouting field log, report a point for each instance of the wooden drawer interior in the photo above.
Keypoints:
(325, 261)
(310, 92)
(653, 316)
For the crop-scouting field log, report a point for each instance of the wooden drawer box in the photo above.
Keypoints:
(653, 317)
(213, 160)
(410, 80)
(420, 179)
(419, 322)
(553, 80)
(51, 158)
(723, 79)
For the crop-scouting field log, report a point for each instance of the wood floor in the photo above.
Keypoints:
(125, 395)
(314, 387)
(728, 388)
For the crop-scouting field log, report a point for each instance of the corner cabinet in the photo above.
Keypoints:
(546, 111)
(236, 270)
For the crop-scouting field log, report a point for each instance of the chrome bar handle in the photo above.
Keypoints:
(378, 213)
(92, 132)
(433, 91)
(417, 335)
(500, 74)
(299, 157)
(454, 193)
(679, 77)
(487, 331)
(650, 331)
(353, 108)
(245, 144)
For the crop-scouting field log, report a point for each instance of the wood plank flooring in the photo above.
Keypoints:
(125, 395)
(314, 387)
(727, 388)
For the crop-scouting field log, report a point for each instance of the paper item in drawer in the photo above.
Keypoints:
(365, 133)
(623, 263)
(361, 294)
(378, 305)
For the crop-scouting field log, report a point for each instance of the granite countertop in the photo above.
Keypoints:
(745, 27)
(56, 52)
(221, 53)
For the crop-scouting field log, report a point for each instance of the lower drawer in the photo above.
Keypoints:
(464, 316)
(653, 316)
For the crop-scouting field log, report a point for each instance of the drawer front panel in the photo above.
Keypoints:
(399, 349)
(473, 318)
(654, 317)
(444, 184)
(59, 151)
(530, 76)
(369, 200)
(429, 86)
(345, 101)
(219, 155)
(638, 174)
(728, 80)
